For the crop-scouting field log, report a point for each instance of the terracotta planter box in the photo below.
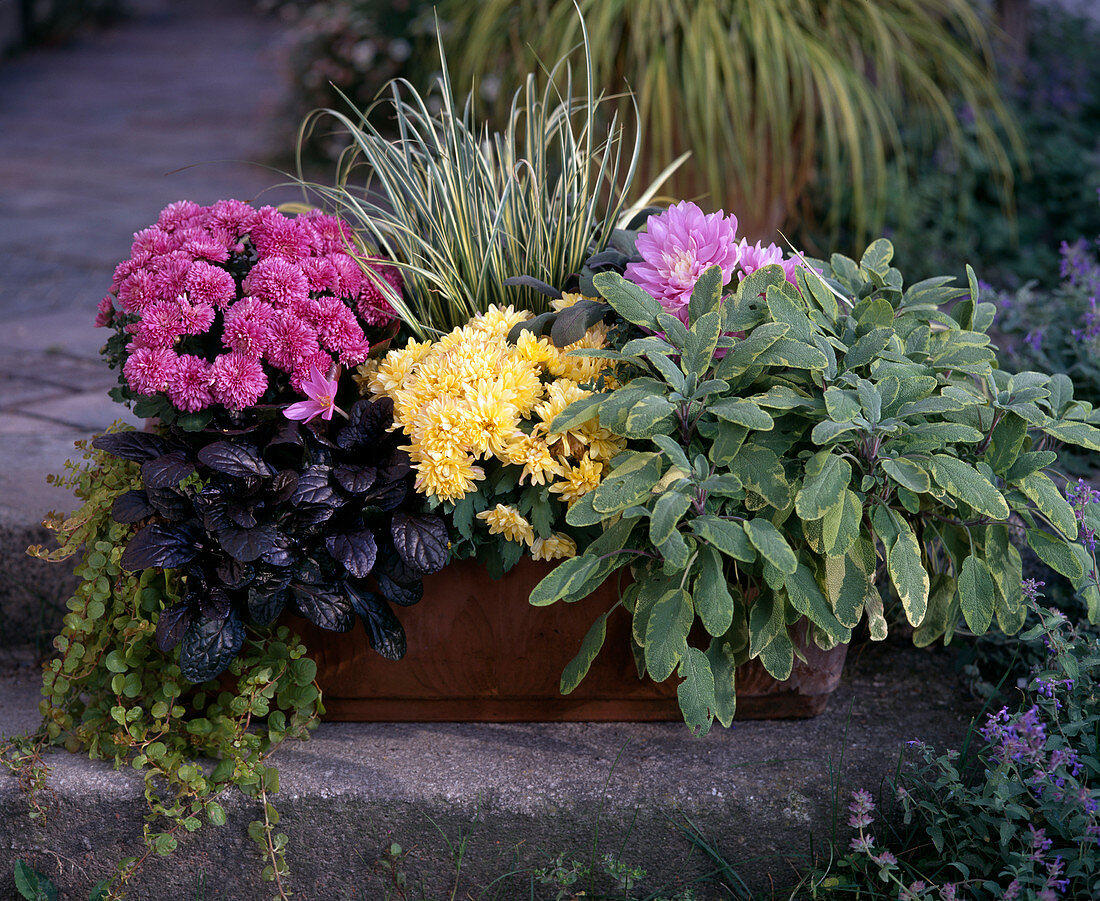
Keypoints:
(478, 652)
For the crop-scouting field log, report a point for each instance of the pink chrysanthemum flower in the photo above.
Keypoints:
(373, 305)
(104, 312)
(319, 361)
(196, 318)
(339, 330)
(150, 370)
(239, 380)
(327, 234)
(181, 214)
(321, 275)
(234, 216)
(206, 247)
(756, 257)
(290, 340)
(160, 325)
(127, 268)
(282, 238)
(154, 241)
(246, 326)
(277, 282)
(190, 387)
(210, 284)
(678, 246)
(350, 276)
(172, 272)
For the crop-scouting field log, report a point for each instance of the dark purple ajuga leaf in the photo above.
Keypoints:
(404, 594)
(133, 506)
(324, 607)
(281, 552)
(213, 603)
(171, 624)
(209, 646)
(284, 485)
(386, 495)
(314, 487)
(233, 574)
(390, 563)
(169, 503)
(241, 515)
(307, 571)
(159, 546)
(289, 433)
(305, 516)
(265, 607)
(137, 446)
(234, 459)
(368, 424)
(355, 479)
(166, 471)
(210, 504)
(355, 550)
(422, 541)
(247, 545)
(384, 631)
(271, 579)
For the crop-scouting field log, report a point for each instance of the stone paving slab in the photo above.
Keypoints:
(523, 793)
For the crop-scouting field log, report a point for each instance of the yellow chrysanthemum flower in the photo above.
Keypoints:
(444, 476)
(559, 395)
(534, 456)
(365, 376)
(499, 321)
(509, 522)
(557, 547)
(536, 350)
(581, 369)
(602, 443)
(577, 481)
(567, 300)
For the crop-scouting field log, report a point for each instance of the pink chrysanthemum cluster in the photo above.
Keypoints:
(680, 244)
(215, 298)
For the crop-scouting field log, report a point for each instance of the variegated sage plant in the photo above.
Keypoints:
(857, 427)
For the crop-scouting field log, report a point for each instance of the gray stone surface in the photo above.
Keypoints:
(522, 793)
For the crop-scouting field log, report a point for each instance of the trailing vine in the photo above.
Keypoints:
(110, 691)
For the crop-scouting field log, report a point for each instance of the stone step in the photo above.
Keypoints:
(517, 794)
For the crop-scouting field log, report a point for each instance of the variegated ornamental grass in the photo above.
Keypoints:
(859, 426)
(463, 209)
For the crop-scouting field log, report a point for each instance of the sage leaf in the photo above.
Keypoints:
(577, 668)
(976, 594)
(771, 544)
(728, 537)
(909, 576)
(1044, 494)
(711, 597)
(967, 484)
(827, 475)
(1056, 554)
(666, 633)
(696, 692)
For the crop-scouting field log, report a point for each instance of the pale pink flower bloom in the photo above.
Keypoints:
(756, 256)
(150, 370)
(190, 387)
(321, 392)
(678, 246)
(239, 380)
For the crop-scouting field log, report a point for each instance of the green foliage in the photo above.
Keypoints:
(856, 421)
(463, 209)
(768, 97)
(113, 693)
(1014, 815)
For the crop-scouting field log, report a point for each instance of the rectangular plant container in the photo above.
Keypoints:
(479, 652)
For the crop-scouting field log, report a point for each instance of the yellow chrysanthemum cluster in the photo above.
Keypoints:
(472, 396)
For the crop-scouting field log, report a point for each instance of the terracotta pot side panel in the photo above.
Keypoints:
(479, 652)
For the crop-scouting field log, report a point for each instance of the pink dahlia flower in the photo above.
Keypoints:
(678, 246)
(239, 381)
(756, 257)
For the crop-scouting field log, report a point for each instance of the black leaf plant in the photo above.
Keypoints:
(319, 520)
